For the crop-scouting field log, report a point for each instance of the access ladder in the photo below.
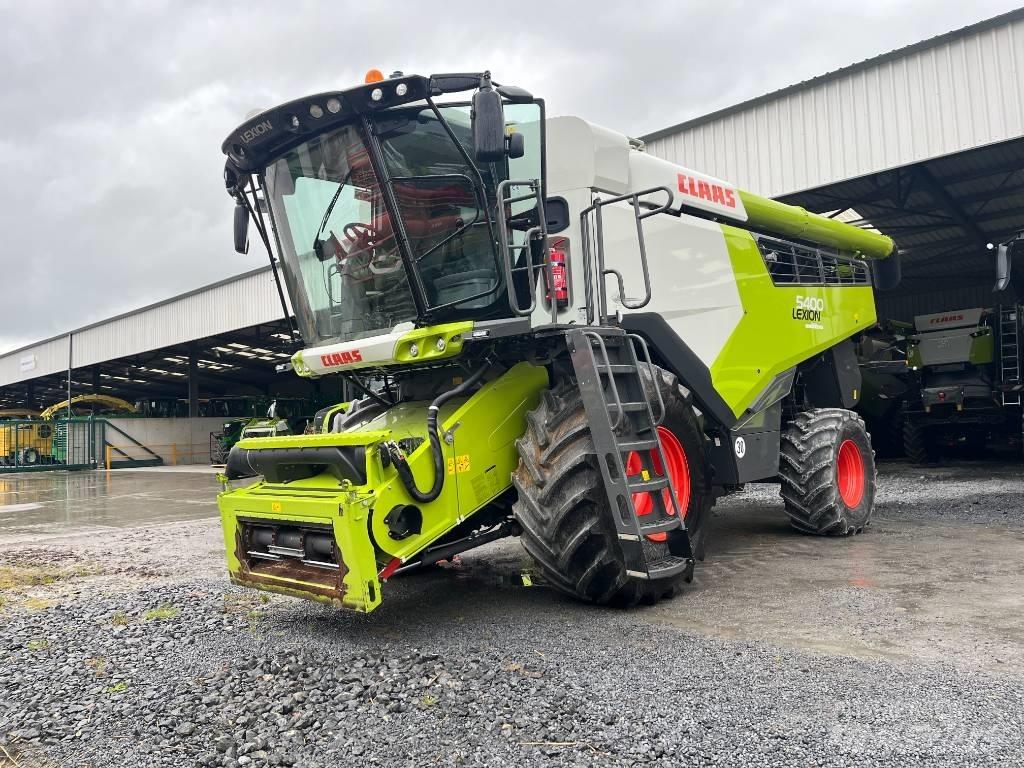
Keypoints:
(622, 422)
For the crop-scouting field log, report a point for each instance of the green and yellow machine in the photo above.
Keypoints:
(967, 369)
(554, 335)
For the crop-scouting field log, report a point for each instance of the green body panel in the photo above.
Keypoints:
(794, 221)
(332, 412)
(479, 463)
(770, 338)
(983, 349)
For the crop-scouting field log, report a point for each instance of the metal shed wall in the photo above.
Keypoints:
(239, 302)
(46, 357)
(954, 92)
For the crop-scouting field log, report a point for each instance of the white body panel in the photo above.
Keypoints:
(693, 283)
(359, 353)
(580, 154)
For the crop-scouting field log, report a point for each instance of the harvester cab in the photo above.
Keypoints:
(553, 334)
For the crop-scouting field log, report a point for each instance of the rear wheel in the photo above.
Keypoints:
(562, 507)
(827, 470)
(917, 445)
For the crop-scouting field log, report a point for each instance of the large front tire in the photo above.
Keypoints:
(562, 507)
(827, 469)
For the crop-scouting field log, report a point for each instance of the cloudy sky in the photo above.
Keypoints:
(112, 113)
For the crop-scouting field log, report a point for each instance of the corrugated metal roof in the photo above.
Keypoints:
(960, 90)
(236, 302)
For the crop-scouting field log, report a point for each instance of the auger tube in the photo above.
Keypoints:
(794, 221)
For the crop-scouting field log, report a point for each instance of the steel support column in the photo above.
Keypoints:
(193, 380)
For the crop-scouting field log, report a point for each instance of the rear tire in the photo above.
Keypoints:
(562, 507)
(828, 474)
(916, 445)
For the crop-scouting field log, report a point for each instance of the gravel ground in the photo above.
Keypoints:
(139, 653)
(978, 492)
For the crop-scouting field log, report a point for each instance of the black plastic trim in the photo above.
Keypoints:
(682, 361)
(282, 465)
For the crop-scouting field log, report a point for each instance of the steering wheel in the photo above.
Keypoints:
(358, 230)
(366, 236)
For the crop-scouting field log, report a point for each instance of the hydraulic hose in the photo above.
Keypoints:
(399, 460)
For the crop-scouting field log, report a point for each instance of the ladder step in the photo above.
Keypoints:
(617, 368)
(644, 486)
(635, 406)
(659, 526)
(665, 568)
(637, 445)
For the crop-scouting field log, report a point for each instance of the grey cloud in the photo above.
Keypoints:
(112, 114)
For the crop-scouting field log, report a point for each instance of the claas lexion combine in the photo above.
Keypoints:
(553, 334)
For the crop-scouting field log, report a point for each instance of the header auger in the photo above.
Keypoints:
(553, 334)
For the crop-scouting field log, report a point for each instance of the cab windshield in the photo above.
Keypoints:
(339, 238)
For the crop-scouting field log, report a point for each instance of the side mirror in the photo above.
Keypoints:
(488, 119)
(516, 146)
(241, 228)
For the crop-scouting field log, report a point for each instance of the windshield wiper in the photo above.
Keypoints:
(318, 246)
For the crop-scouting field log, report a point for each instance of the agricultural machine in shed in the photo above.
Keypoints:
(951, 380)
(555, 335)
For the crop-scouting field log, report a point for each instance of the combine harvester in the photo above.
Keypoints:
(555, 335)
(968, 364)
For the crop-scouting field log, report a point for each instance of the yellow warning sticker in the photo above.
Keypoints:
(527, 581)
(275, 506)
(462, 463)
(645, 474)
(451, 466)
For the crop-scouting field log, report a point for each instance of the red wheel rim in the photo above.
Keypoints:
(678, 478)
(850, 473)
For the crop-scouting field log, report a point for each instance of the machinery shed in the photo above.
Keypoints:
(924, 143)
(220, 340)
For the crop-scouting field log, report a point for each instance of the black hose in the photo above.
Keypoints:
(402, 466)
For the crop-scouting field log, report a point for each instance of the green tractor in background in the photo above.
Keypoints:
(283, 416)
(950, 382)
(968, 365)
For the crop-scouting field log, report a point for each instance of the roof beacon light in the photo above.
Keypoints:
(374, 76)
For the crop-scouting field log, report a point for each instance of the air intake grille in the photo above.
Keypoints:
(794, 264)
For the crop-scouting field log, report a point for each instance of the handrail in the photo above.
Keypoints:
(635, 339)
(125, 434)
(538, 232)
(605, 364)
(596, 295)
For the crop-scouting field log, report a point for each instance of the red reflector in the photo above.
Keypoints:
(942, 395)
(388, 570)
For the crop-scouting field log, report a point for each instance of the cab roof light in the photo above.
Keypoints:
(374, 76)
